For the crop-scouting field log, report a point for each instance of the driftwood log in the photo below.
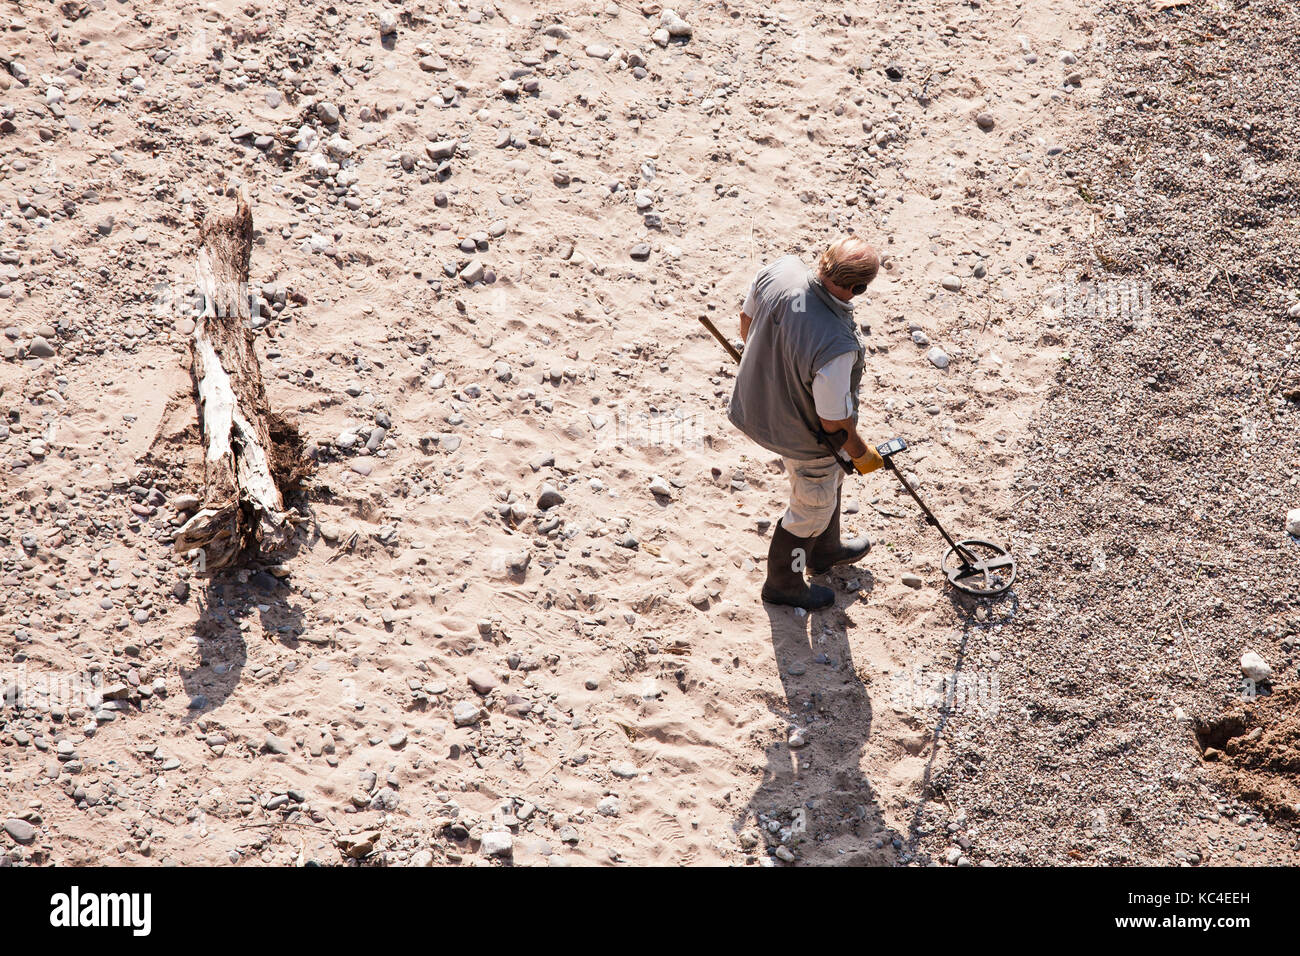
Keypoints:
(253, 458)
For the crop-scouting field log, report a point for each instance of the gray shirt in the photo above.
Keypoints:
(798, 328)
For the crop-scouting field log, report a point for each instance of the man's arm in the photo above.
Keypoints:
(831, 393)
(853, 446)
(745, 319)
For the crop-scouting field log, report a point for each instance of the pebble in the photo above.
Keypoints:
(482, 680)
(497, 843)
(674, 24)
(465, 714)
(951, 283)
(1255, 667)
(40, 348)
(985, 121)
(1293, 522)
(660, 488)
(20, 830)
(549, 497)
(938, 357)
(442, 149)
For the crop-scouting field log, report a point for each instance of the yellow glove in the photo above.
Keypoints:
(870, 461)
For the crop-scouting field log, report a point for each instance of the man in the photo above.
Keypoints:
(798, 380)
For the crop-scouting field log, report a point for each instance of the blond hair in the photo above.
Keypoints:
(850, 261)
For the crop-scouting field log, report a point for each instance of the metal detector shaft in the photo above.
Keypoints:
(822, 437)
(929, 515)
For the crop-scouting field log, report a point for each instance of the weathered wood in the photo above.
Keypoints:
(243, 505)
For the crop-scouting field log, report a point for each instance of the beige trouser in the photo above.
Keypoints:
(814, 490)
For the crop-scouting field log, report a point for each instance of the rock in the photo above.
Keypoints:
(951, 283)
(938, 357)
(797, 738)
(442, 149)
(482, 680)
(1255, 667)
(912, 581)
(327, 113)
(473, 272)
(608, 806)
(985, 121)
(674, 24)
(549, 497)
(465, 714)
(387, 23)
(497, 843)
(275, 745)
(660, 488)
(20, 830)
(598, 51)
(339, 147)
(640, 252)
(357, 845)
(40, 348)
(1293, 522)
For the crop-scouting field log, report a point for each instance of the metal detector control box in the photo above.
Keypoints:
(891, 447)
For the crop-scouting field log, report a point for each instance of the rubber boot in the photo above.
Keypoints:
(828, 550)
(784, 584)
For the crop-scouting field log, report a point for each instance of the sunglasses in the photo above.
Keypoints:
(860, 288)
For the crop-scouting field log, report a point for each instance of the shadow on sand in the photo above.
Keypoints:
(225, 602)
(817, 783)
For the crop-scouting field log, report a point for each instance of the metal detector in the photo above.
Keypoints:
(972, 565)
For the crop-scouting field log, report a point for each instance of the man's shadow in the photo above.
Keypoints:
(816, 784)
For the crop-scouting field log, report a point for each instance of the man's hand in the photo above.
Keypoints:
(745, 320)
(863, 456)
(868, 462)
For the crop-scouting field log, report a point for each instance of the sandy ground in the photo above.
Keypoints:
(625, 695)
